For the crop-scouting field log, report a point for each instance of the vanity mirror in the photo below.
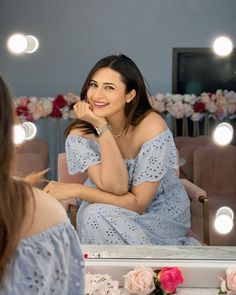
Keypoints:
(77, 33)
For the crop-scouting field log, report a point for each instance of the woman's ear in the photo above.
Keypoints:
(130, 95)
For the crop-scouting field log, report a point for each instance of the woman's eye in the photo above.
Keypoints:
(110, 88)
(92, 84)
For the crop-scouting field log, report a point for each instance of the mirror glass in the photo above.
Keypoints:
(75, 34)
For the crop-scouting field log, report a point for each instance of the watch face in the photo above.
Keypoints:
(98, 131)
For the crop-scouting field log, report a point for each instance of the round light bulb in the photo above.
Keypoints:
(30, 130)
(223, 46)
(224, 220)
(33, 44)
(18, 134)
(223, 134)
(17, 43)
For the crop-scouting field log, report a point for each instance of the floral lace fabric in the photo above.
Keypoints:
(167, 218)
(50, 262)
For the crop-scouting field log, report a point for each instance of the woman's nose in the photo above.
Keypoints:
(98, 92)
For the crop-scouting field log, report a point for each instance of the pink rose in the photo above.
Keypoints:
(231, 279)
(140, 280)
(169, 278)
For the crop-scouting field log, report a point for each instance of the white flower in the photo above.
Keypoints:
(160, 96)
(177, 98)
(100, 284)
(211, 107)
(196, 117)
(47, 106)
(189, 98)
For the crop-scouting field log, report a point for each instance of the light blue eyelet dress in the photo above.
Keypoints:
(167, 218)
(48, 263)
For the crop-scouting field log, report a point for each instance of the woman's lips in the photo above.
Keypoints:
(100, 104)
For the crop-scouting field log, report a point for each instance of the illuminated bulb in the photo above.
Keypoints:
(223, 134)
(224, 220)
(18, 134)
(17, 43)
(30, 130)
(223, 46)
(33, 44)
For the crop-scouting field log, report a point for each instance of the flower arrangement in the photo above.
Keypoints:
(217, 105)
(33, 108)
(141, 281)
(228, 282)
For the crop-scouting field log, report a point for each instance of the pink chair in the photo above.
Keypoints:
(31, 157)
(70, 205)
(63, 174)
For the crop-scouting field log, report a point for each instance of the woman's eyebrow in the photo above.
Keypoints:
(104, 83)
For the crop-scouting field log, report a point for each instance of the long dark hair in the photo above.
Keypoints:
(14, 193)
(131, 76)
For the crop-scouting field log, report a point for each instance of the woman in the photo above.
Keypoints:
(39, 249)
(132, 195)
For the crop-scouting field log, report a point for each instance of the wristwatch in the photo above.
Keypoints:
(98, 131)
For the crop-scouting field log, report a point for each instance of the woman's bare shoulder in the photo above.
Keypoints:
(46, 213)
(152, 125)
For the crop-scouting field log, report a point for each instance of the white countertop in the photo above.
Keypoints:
(161, 252)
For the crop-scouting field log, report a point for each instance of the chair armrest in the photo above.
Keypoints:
(194, 191)
(197, 194)
(71, 208)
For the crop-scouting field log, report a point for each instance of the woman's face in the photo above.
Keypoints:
(107, 93)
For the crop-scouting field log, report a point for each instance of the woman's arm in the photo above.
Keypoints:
(111, 174)
(137, 200)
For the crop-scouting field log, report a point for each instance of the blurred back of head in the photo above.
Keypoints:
(14, 193)
(6, 136)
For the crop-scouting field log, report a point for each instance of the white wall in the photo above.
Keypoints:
(74, 34)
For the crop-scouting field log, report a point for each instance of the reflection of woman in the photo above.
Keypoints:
(39, 249)
(132, 195)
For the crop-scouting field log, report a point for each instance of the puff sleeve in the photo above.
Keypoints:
(156, 156)
(81, 153)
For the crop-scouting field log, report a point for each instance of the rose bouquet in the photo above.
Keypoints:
(228, 282)
(143, 280)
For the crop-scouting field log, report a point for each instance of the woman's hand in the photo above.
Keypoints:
(83, 111)
(62, 191)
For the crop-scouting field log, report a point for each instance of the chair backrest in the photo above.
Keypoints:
(214, 169)
(31, 157)
(36, 146)
(187, 146)
(63, 174)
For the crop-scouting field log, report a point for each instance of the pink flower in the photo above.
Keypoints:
(231, 279)
(23, 101)
(140, 280)
(169, 278)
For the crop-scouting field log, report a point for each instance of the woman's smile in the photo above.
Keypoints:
(99, 105)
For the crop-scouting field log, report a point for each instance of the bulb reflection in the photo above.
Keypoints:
(224, 220)
(24, 131)
(223, 134)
